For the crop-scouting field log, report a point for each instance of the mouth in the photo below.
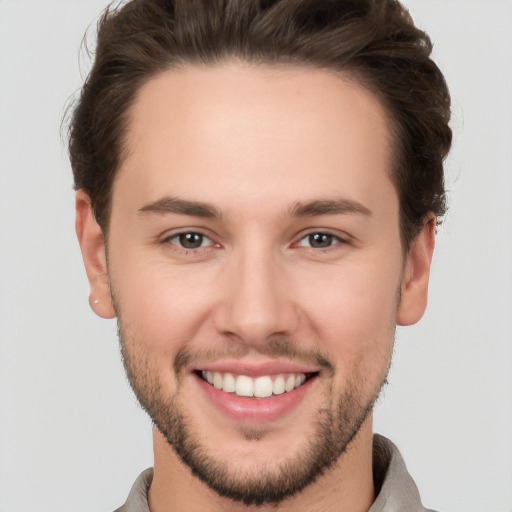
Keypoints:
(256, 392)
(263, 386)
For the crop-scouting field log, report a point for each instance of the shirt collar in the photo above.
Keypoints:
(394, 486)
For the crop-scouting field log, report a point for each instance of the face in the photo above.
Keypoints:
(256, 268)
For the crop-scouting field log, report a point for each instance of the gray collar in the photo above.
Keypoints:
(394, 486)
(396, 490)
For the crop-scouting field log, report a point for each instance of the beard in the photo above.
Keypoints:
(334, 429)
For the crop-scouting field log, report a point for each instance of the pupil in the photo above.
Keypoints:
(191, 240)
(320, 240)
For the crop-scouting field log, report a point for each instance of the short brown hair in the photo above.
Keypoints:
(374, 41)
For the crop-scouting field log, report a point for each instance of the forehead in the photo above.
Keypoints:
(287, 132)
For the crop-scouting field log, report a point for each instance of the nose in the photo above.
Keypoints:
(256, 302)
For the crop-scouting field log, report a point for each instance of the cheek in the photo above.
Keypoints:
(353, 313)
(162, 306)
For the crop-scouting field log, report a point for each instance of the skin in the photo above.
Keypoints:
(253, 143)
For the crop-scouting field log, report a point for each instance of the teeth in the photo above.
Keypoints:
(278, 386)
(260, 387)
(229, 383)
(263, 387)
(218, 381)
(299, 380)
(290, 383)
(244, 386)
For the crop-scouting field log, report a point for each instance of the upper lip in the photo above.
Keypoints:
(273, 367)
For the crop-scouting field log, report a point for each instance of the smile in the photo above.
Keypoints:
(260, 387)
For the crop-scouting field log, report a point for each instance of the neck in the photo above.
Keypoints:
(346, 487)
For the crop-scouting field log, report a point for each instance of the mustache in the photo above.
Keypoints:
(275, 348)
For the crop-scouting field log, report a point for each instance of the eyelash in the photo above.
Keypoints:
(180, 239)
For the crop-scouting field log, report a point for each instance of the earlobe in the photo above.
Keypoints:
(92, 244)
(416, 276)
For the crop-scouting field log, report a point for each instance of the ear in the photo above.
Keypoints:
(92, 244)
(414, 296)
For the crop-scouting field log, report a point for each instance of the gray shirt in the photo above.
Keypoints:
(395, 489)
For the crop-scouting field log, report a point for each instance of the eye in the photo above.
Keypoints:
(319, 241)
(190, 240)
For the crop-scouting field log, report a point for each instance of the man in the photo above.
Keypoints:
(258, 186)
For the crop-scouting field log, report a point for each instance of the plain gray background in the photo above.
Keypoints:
(72, 438)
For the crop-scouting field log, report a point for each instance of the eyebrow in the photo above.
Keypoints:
(314, 208)
(179, 206)
(329, 207)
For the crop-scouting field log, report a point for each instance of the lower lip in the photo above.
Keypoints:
(254, 410)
